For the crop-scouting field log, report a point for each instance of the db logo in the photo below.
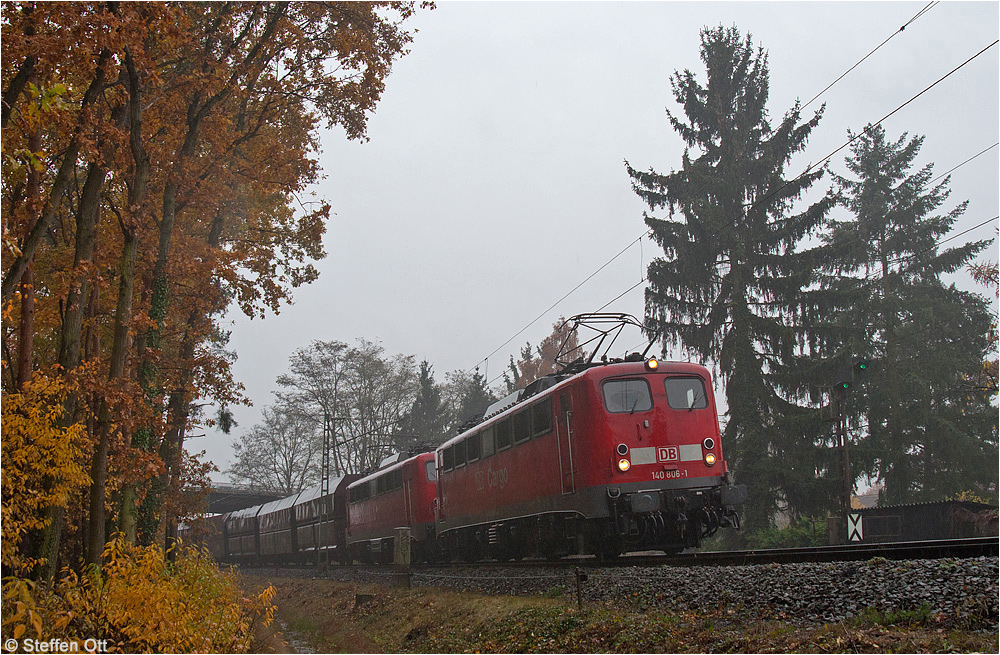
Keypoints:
(666, 454)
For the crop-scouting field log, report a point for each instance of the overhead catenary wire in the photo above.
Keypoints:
(953, 169)
(789, 182)
(877, 123)
(928, 7)
(556, 303)
(857, 236)
(750, 206)
(645, 279)
(938, 243)
(896, 260)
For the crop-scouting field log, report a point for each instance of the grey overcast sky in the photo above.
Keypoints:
(494, 182)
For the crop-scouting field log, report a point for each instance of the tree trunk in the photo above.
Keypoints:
(59, 186)
(119, 349)
(123, 311)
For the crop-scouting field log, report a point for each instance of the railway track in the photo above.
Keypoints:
(907, 550)
(952, 583)
(937, 549)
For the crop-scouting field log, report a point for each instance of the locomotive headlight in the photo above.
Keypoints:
(623, 465)
(708, 443)
(652, 364)
(710, 459)
(622, 449)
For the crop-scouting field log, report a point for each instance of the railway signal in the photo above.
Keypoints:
(849, 377)
(846, 381)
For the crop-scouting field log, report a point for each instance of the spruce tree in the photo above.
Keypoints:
(476, 398)
(425, 425)
(727, 287)
(928, 429)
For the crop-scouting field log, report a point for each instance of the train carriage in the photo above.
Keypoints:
(278, 536)
(321, 521)
(242, 534)
(400, 494)
(615, 457)
(208, 532)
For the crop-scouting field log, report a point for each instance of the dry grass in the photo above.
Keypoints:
(324, 615)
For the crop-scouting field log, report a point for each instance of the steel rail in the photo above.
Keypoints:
(936, 549)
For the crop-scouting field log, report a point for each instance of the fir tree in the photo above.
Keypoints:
(931, 430)
(728, 285)
(476, 398)
(425, 425)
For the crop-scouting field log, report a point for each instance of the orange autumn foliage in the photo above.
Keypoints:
(154, 159)
(42, 462)
(140, 603)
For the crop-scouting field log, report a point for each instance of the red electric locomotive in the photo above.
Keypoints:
(400, 494)
(605, 457)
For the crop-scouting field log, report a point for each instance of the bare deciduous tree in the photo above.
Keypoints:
(359, 394)
(280, 454)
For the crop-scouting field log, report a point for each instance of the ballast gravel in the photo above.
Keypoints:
(951, 591)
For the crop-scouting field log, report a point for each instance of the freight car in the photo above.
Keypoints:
(302, 528)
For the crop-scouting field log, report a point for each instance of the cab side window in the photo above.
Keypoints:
(522, 426)
(541, 417)
(472, 445)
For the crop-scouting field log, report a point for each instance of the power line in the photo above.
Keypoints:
(951, 170)
(954, 236)
(881, 120)
(750, 206)
(870, 127)
(567, 295)
(789, 182)
(928, 7)
(601, 308)
(857, 236)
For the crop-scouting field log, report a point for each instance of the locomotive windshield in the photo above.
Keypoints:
(621, 396)
(686, 393)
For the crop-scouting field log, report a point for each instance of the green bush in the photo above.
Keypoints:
(802, 533)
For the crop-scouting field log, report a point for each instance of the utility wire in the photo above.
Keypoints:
(893, 261)
(856, 236)
(750, 206)
(954, 236)
(567, 295)
(879, 122)
(621, 294)
(951, 170)
(928, 7)
(789, 182)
